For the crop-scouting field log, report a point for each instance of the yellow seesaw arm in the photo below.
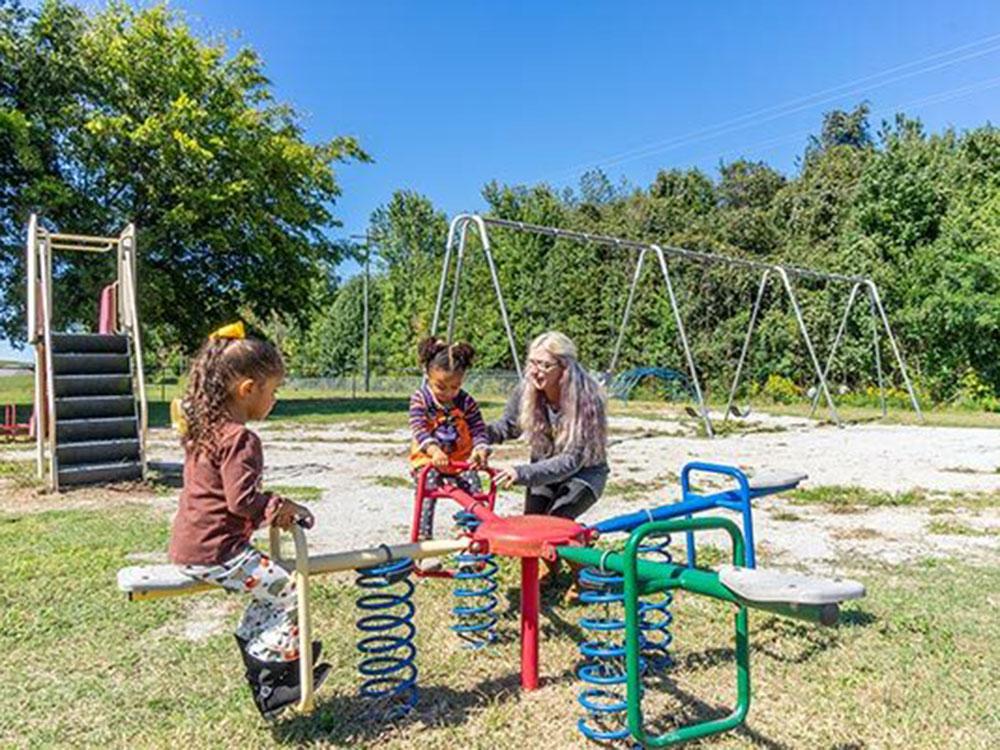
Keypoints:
(144, 582)
(160, 581)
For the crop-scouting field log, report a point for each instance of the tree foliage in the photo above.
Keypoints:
(125, 115)
(918, 213)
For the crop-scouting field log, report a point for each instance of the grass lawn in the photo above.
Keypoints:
(17, 389)
(914, 665)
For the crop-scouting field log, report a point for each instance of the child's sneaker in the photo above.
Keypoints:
(276, 685)
(429, 565)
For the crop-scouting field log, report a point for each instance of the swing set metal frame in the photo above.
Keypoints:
(457, 240)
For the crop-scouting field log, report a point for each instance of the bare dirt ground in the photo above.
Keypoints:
(367, 497)
(359, 474)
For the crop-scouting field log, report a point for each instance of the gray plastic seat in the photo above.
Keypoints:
(769, 481)
(152, 579)
(763, 585)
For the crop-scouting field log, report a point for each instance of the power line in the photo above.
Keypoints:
(798, 104)
(937, 98)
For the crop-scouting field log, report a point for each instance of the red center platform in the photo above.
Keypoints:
(528, 537)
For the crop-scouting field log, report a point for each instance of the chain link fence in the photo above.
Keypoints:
(497, 383)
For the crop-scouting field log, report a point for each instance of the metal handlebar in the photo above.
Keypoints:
(632, 633)
(300, 577)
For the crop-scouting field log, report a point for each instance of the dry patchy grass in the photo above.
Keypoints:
(911, 666)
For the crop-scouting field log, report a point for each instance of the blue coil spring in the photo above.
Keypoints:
(475, 592)
(603, 670)
(655, 617)
(388, 654)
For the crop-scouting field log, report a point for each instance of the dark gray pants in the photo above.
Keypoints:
(467, 480)
(567, 499)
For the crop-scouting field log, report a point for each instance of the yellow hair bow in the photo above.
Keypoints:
(230, 331)
(177, 419)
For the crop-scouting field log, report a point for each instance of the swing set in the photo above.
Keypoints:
(783, 275)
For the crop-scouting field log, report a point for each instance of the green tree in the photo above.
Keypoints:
(125, 115)
(841, 128)
(951, 296)
(746, 192)
(409, 236)
(918, 213)
(333, 343)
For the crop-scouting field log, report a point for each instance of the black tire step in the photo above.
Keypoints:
(81, 343)
(82, 407)
(125, 471)
(91, 364)
(89, 430)
(93, 385)
(97, 452)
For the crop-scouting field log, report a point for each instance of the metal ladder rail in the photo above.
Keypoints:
(45, 261)
(128, 303)
(41, 424)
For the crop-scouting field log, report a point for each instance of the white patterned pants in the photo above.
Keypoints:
(269, 625)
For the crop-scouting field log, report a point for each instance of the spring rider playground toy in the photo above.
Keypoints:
(627, 641)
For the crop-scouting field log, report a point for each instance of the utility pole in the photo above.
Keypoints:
(364, 348)
(365, 364)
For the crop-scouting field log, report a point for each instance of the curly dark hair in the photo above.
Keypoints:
(219, 363)
(438, 354)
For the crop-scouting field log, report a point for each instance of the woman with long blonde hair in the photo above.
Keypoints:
(560, 409)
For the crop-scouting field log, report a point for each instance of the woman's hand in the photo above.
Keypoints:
(291, 512)
(505, 476)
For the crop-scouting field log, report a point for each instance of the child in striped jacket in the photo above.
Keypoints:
(446, 423)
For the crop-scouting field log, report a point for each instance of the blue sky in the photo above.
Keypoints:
(449, 95)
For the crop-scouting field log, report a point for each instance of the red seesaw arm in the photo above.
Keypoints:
(480, 504)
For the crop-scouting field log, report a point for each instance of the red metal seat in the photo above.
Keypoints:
(528, 536)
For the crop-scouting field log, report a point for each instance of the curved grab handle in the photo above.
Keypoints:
(300, 577)
(710, 523)
(453, 469)
(709, 468)
(632, 633)
(742, 505)
(456, 467)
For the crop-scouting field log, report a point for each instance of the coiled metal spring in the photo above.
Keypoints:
(475, 592)
(603, 671)
(655, 617)
(388, 654)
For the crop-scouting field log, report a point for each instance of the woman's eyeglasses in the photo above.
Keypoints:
(542, 365)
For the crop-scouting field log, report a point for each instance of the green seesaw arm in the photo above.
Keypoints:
(643, 577)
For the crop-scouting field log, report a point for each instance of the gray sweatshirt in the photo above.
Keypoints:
(551, 469)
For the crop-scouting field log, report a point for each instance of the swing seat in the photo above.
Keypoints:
(154, 581)
(770, 481)
(763, 585)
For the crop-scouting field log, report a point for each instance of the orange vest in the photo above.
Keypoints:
(434, 417)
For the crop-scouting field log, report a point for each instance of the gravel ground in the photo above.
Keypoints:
(367, 500)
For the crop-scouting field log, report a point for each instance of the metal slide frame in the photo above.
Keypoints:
(41, 245)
